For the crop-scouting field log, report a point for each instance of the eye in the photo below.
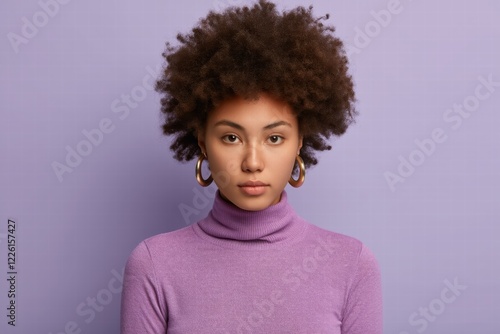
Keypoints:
(275, 139)
(230, 139)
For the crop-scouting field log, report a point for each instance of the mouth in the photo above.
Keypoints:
(252, 184)
(253, 188)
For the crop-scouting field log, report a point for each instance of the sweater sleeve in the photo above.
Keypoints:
(141, 310)
(363, 305)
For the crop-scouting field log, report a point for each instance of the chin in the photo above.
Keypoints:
(256, 203)
(252, 202)
(253, 206)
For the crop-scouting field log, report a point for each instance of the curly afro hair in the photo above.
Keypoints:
(245, 52)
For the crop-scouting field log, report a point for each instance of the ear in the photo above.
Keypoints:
(300, 144)
(201, 142)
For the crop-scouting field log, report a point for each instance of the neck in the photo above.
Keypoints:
(228, 224)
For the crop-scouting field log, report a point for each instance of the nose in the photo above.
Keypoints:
(252, 160)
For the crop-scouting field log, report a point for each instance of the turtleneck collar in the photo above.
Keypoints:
(228, 225)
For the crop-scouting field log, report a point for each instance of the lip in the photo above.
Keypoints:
(253, 188)
(252, 184)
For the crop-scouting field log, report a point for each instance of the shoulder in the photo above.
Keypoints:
(353, 253)
(170, 240)
(336, 242)
(160, 246)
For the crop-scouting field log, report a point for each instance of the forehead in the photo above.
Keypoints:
(261, 112)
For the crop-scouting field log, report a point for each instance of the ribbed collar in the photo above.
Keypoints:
(227, 224)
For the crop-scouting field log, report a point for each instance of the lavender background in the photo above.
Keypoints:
(75, 232)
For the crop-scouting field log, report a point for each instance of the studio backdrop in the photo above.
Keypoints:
(86, 173)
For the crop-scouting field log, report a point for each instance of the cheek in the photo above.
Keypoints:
(224, 164)
(290, 165)
(219, 174)
(283, 165)
(222, 179)
(223, 168)
(232, 166)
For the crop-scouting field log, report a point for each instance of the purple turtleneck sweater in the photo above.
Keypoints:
(240, 271)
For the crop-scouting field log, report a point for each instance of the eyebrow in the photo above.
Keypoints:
(239, 127)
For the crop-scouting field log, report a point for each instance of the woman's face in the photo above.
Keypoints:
(251, 148)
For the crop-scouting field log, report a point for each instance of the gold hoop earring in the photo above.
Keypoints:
(302, 174)
(203, 182)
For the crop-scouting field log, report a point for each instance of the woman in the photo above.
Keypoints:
(255, 93)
